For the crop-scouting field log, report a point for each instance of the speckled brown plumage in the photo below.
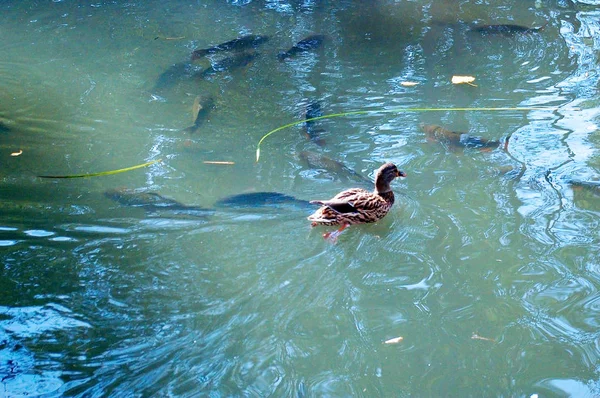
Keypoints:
(356, 205)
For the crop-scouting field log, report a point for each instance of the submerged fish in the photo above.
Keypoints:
(506, 29)
(307, 44)
(200, 109)
(261, 199)
(588, 186)
(586, 194)
(455, 139)
(241, 43)
(174, 74)
(154, 202)
(235, 61)
(344, 173)
(313, 109)
(4, 128)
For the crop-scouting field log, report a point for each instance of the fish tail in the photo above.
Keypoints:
(191, 130)
(199, 54)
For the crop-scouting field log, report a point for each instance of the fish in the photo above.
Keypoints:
(344, 173)
(313, 109)
(200, 110)
(239, 44)
(455, 139)
(590, 185)
(261, 200)
(505, 29)
(4, 128)
(154, 202)
(307, 44)
(174, 74)
(235, 61)
(585, 194)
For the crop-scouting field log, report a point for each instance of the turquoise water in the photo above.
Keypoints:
(487, 265)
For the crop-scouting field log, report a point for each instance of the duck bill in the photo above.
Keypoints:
(401, 173)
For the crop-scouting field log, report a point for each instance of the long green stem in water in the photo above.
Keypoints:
(105, 173)
(393, 110)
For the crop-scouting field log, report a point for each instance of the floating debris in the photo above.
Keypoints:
(475, 336)
(218, 162)
(395, 340)
(464, 80)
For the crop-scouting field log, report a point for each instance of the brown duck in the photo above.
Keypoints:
(357, 205)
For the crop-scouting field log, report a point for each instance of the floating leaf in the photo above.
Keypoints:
(395, 340)
(475, 336)
(464, 80)
(17, 153)
(217, 162)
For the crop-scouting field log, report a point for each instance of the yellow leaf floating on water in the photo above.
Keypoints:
(17, 153)
(395, 340)
(409, 84)
(464, 80)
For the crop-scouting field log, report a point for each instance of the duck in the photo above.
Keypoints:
(357, 205)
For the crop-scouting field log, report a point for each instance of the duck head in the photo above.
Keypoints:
(385, 175)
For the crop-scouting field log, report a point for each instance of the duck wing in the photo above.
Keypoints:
(339, 206)
(352, 201)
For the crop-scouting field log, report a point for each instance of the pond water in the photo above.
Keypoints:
(488, 265)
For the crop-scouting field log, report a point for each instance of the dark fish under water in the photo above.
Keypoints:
(592, 186)
(154, 202)
(201, 108)
(455, 139)
(586, 194)
(313, 109)
(235, 61)
(174, 74)
(506, 29)
(4, 128)
(261, 200)
(239, 44)
(343, 172)
(307, 44)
